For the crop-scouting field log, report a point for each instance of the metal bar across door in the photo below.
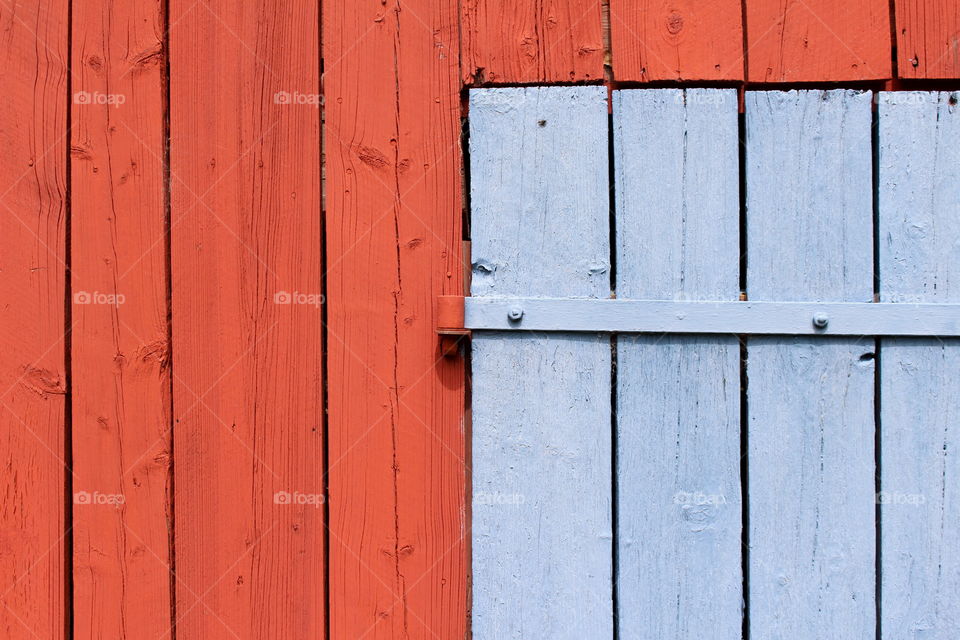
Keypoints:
(711, 316)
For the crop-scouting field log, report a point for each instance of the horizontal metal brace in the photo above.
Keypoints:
(758, 318)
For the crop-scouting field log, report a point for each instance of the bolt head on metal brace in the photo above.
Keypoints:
(821, 320)
(515, 314)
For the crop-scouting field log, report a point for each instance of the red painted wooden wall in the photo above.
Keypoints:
(225, 411)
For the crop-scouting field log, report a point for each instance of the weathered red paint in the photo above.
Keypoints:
(693, 40)
(525, 41)
(928, 38)
(247, 320)
(119, 351)
(818, 40)
(33, 376)
(396, 446)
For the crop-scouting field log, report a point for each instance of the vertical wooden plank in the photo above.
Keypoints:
(928, 38)
(692, 40)
(919, 499)
(121, 386)
(541, 405)
(818, 40)
(33, 379)
(678, 397)
(514, 41)
(396, 452)
(811, 400)
(246, 274)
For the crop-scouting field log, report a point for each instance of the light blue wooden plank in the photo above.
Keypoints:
(678, 202)
(920, 407)
(811, 489)
(678, 397)
(542, 512)
(809, 202)
(678, 461)
(542, 480)
(811, 416)
(539, 192)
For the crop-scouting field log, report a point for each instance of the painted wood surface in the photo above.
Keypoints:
(691, 40)
(712, 317)
(542, 504)
(678, 397)
(818, 40)
(398, 535)
(246, 276)
(814, 245)
(811, 411)
(123, 512)
(516, 41)
(920, 482)
(928, 38)
(33, 376)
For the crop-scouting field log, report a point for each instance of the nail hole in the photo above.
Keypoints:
(867, 357)
(542, 123)
(953, 100)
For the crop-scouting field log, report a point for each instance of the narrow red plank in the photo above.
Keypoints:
(928, 38)
(121, 384)
(247, 331)
(33, 379)
(513, 41)
(396, 448)
(678, 40)
(818, 40)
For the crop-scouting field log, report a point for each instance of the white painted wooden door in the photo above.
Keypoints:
(696, 485)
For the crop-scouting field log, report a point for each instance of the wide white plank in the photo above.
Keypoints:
(809, 202)
(539, 192)
(677, 185)
(541, 487)
(811, 489)
(679, 505)
(920, 408)
(542, 512)
(810, 400)
(678, 397)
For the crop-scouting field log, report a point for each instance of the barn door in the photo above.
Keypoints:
(714, 382)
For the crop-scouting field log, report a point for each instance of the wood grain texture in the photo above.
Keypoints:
(515, 41)
(398, 565)
(679, 503)
(541, 487)
(33, 378)
(678, 194)
(811, 400)
(542, 529)
(678, 397)
(928, 38)
(119, 355)
(246, 275)
(918, 176)
(919, 136)
(815, 244)
(691, 40)
(818, 40)
(811, 488)
(538, 180)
